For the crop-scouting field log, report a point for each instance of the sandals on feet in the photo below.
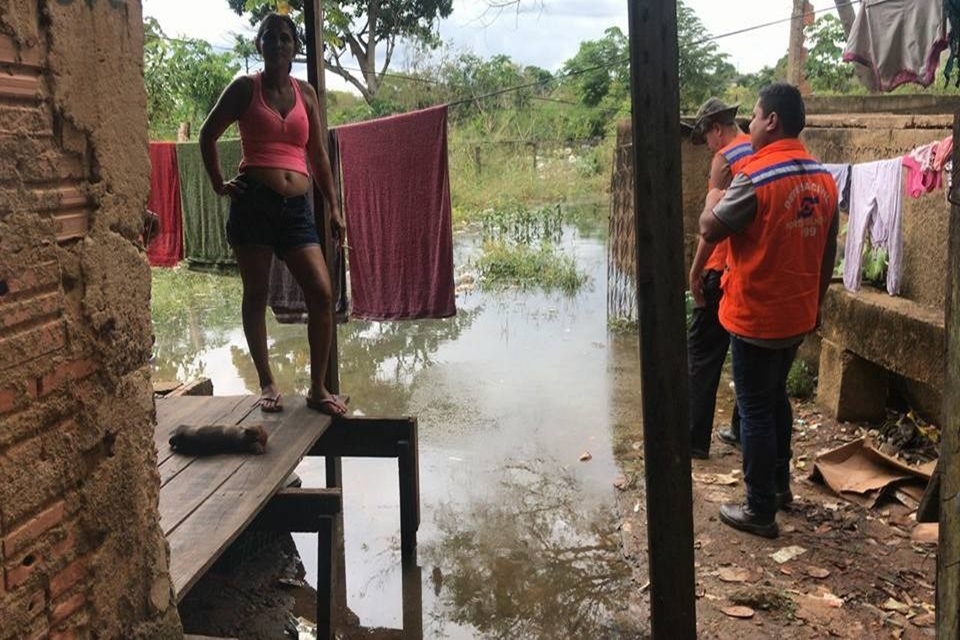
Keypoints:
(271, 404)
(331, 406)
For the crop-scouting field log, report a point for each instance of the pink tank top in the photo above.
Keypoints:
(270, 140)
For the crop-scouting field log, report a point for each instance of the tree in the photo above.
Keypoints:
(364, 29)
(704, 70)
(183, 77)
(825, 69)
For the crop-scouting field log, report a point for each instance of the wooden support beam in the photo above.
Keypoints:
(661, 309)
(299, 510)
(363, 437)
(948, 552)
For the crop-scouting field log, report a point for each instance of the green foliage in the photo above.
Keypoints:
(825, 69)
(704, 70)
(573, 173)
(183, 78)
(506, 264)
(513, 221)
(800, 380)
(366, 29)
(599, 77)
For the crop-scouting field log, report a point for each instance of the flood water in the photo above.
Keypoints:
(518, 537)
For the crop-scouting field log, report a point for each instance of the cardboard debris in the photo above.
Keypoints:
(859, 472)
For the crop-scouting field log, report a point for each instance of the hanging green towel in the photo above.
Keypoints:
(204, 212)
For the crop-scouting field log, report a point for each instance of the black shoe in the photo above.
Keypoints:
(741, 517)
(699, 454)
(727, 436)
(784, 499)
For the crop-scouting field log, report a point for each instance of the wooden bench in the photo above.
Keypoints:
(205, 503)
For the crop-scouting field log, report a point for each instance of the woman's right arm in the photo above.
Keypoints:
(230, 106)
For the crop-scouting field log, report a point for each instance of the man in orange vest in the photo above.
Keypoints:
(780, 214)
(707, 340)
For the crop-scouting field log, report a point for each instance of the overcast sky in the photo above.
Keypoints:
(545, 35)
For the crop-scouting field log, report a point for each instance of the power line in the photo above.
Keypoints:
(574, 72)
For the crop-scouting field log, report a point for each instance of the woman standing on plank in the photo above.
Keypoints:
(279, 121)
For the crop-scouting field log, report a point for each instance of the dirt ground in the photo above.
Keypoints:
(859, 575)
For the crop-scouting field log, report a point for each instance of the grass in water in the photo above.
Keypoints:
(503, 265)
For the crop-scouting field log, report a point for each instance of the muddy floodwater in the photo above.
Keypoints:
(519, 536)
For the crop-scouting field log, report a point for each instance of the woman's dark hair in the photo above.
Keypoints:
(286, 20)
(784, 100)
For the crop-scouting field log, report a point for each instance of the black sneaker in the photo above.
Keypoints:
(727, 436)
(742, 518)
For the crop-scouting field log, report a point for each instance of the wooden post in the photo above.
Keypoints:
(476, 160)
(796, 54)
(661, 282)
(948, 555)
(313, 20)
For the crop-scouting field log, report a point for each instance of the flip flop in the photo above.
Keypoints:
(331, 406)
(270, 404)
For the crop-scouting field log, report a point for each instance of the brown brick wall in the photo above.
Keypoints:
(80, 547)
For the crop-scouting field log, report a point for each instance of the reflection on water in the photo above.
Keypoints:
(518, 537)
(534, 562)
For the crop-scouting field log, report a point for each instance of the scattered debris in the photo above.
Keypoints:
(737, 574)
(741, 612)
(620, 482)
(818, 572)
(762, 598)
(924, 620)
(787, 554)
(927, 533)
(895, 605)
(586, 456)
(722, 479)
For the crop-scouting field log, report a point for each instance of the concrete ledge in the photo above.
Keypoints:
(851, 388)
(901, 336)
(904, 104)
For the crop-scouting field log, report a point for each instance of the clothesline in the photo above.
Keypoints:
(875, 204)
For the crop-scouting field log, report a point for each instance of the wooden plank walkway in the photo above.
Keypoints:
(205, 503)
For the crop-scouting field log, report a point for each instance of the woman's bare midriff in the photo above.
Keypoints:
(283, 181)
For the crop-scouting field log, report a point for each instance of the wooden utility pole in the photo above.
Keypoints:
(801, 17)
(948, 554)
(661, 282)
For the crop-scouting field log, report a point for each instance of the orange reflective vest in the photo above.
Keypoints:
(773, 286)
(736, 154)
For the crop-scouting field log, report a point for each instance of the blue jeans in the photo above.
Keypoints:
(766, 420)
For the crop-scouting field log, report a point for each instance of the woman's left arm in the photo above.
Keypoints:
(319, 160)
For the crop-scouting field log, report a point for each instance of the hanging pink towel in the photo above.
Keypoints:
(165, 249)
(396, 192)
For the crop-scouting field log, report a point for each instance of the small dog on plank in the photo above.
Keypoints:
(210, 439)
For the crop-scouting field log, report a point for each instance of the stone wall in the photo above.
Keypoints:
(82, 554)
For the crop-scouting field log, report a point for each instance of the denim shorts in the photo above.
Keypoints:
(261, 217)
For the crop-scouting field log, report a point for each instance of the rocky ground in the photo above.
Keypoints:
(837, 570)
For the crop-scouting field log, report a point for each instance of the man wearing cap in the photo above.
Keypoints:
(780, 215)
(707, 340)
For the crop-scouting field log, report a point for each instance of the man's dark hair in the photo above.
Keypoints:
(785, 100)
(287, 20)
